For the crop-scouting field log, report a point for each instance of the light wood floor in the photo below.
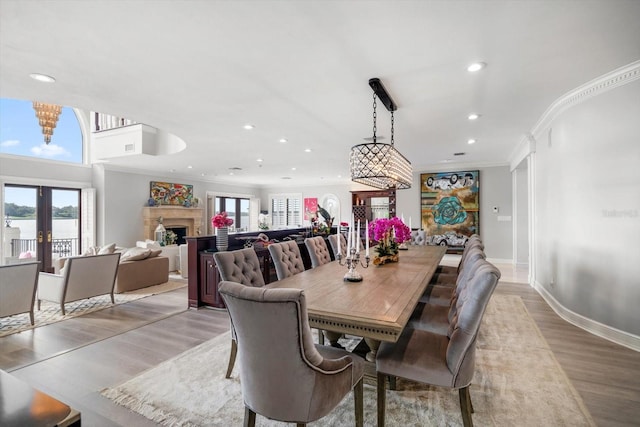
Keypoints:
(75, 359)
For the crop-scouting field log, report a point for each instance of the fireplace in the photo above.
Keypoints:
(180, 232)
(189, 220)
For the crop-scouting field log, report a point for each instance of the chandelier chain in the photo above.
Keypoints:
(375, 116)
(392, 127)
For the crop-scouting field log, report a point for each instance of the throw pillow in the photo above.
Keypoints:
(154, 253)
(109, 249)
(135, 254)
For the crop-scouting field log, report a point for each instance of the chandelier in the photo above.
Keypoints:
(47, 115)
(378, 164)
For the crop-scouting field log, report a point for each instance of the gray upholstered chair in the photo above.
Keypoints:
(441, 289)
(318, 251)
(241, 266)
(18, 284)
(333, 241)
(418, 237)
(473, 241)
(445, 360)
(284, 376)
(82, 277)
(286, 258)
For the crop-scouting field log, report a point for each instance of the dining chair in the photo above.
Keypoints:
(318, 251)
(286, 258)
(333, 242)
(319, 254)
(445, 360)
(18, 283)
(418, 237)
(451, 270)
(284, 376)
(241, 266)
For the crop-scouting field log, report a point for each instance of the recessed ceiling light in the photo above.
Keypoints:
(286, 177)
(283, 140)
(293, 169)
(258, 160)
(473, 116)
(189, 167)
(476, 66)
(230, 173)
(339, 176)
(42, 78)
(203, 174)
(307, 150)
(471, 141)
(248, 126)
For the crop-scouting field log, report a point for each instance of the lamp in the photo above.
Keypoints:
(47, 115)
(378, 164)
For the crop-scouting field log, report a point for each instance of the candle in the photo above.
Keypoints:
(353, 234)
(409, 223)
(338, 235)
(367, 239)
(358, 239)
(349, 240)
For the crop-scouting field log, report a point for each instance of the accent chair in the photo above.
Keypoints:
(18, 284)
(284, 376)
(241, 266)
(286, 258)
(318, 251)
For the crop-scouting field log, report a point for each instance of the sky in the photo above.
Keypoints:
(20, 134)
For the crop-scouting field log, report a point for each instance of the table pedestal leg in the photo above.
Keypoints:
(373, 349)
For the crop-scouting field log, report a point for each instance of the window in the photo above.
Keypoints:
(286, 210)
(20, 133)
(237, 208)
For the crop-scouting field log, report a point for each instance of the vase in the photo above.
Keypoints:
(222, 238)
(386, 253)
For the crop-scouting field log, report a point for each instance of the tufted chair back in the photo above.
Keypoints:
(333, 241)
(241, 266)
(418, 237)
(318, 251)
(286, 258)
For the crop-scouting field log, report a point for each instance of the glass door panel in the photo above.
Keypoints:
(21, 221)
(65, 224)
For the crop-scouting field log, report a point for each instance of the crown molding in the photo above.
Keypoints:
(597, 86)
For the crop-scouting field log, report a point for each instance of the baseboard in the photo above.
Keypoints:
(603, 331)
(500, 260)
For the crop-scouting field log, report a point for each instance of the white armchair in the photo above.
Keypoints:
(82, 277)
(18, 288)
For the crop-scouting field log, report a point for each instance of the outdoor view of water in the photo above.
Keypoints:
(62, 228)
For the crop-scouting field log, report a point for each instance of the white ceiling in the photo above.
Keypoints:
(300, 70)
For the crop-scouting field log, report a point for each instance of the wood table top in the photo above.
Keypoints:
(379, 307)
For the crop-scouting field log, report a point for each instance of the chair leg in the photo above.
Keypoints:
(39, 301)
(31, 317)
(358, 398)
(62, 308)
(232, 358)
(113, 301)
(381, 398)
(392, 382)
(249, 418)
(301, 424)
(465, 406)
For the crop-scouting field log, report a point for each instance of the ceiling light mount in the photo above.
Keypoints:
(378, 164)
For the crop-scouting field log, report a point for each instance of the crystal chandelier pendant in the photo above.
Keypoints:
(47, 115)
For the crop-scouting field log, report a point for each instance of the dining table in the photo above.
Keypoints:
(376, 308)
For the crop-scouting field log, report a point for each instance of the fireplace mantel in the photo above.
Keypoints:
(172, 216)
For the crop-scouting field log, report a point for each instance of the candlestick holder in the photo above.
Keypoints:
(352, 260)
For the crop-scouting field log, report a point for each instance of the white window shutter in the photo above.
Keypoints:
(88, 215)
(254, 211)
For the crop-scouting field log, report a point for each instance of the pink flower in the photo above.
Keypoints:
(388, 230)
(221, 220)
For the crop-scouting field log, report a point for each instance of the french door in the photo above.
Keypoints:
(42, 223)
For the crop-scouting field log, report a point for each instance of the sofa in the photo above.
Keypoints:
(138, 267)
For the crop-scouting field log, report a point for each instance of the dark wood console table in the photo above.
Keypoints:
(203, 273)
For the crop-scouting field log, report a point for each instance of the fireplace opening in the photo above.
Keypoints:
(181, 232)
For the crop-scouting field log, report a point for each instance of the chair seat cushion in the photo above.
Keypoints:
(418, 355)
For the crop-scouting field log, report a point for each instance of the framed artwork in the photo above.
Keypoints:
(450, 206)
(310, 207)
(166, 193)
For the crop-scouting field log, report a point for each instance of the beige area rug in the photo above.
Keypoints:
(50, 312)
(518, 382)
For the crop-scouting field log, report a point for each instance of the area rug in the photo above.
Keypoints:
(518, 382)
(50, 312)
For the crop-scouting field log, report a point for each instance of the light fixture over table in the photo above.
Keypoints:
(378, 164)
(47, 115)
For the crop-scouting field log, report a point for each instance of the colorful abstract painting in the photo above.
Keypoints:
(310, 208)
(450, 206)
(166, 193)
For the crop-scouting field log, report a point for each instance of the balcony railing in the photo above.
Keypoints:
(59, 247)
(107, 121)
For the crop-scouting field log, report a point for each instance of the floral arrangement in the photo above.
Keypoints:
(389, 233)
(170, 238)
(221, 220)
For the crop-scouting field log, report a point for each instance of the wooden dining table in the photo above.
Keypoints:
(378, 307)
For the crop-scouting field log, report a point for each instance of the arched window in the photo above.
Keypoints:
(21, 134)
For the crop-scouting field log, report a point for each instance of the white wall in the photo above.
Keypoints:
(587, 208)
(122, 195)
(521, 214)
(495, 190)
